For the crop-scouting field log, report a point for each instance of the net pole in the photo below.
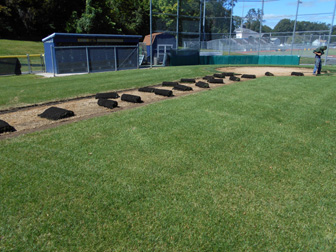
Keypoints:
(200, 25)
(260, 28)
(177, 23)
(230, 27)
(151, 33)
(293, 37)
(330, 32)
(203, 20)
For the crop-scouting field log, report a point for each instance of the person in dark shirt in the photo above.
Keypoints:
(318, 63)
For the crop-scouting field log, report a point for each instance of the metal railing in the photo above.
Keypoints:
(30, 63)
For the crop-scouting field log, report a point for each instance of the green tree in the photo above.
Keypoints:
(96, 18)
(132, 16)
(287, 25)
(252, 19)
(35, 19)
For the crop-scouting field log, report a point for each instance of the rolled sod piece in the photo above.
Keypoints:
(248, 76)
(188, 80)
(219, 75)
(208, 78)
(55, 113)
(110, 95)
(297, 74)
(163, 92)
(228, 74)
(216, 81)
(107, 103)
(202, 84)
(6, 127)
(269, 74)
(183, 88)
(131, 98)
(234, 78)
(146, 89)
(169, 84)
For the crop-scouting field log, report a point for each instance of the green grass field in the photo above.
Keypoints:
(29, 89)
(18, 47)
(244, 167)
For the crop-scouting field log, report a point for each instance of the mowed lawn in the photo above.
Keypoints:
(244, 167)
(29, 89)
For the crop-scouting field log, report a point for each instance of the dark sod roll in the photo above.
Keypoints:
(131, 98)
(188, 80)
(109, 95)
(234, 78)
(146, 89)
(269, 74)
(202, 84)
(219, 75)
(183, 88)
(228, 74)
(248, 76)
(169, 83)
(107, 103)
(208, 78)
(219, 81)
(55, 113)
(297, 74)
(6, 127)
(163, 92)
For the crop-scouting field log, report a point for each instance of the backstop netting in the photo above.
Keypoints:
(211, 27)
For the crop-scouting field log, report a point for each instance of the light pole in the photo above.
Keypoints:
(260, 28)
(151, 33)
(203, 20)
(297, 11)
(177, 23)
(331, 28)
(230, 27)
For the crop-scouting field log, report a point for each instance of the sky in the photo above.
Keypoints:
(275, 10)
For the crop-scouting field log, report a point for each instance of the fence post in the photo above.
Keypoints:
(42, 63)
(87, 60)
(331, 28)
(115, 59)
(151, 34)
(29, 66)
(230, 27)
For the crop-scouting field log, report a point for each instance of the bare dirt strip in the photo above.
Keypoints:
(26, 120)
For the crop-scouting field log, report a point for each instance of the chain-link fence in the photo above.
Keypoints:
(209, 26)
(29, 63)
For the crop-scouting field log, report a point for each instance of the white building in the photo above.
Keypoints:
(244, 33)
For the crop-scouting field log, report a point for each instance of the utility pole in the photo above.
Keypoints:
(293, 38)
(177, 23)
(203, 20)
(331, 28)
(230, 27)
(151, 34)
(260, 28)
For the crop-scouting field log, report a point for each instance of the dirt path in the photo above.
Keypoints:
(26, 120)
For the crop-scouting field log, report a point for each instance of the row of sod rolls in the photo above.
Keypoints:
(104, 99)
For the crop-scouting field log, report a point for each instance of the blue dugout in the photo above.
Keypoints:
(80, 53)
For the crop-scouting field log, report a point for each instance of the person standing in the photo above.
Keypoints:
(318, 63)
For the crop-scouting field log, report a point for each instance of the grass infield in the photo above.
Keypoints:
(244, 167)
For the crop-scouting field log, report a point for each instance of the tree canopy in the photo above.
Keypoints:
(36, 19)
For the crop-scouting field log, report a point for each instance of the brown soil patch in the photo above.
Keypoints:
(26, 120)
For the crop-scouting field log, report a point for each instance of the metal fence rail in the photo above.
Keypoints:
(30, 63)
